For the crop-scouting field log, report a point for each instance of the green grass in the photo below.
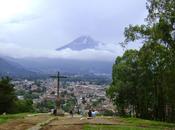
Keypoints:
(5, 118)
(116, 127)
(133, 124)
(146, 123)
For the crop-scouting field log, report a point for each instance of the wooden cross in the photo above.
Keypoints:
(58, 77)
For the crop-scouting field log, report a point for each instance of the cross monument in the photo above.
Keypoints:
(58, 100)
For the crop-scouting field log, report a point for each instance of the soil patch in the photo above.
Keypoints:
(77, 123)
(23, 124)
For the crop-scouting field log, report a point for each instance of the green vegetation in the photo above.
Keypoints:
(69, 104)
(143, 81)
(133, 124)
(45, 106)
(7, 95)
(8, 100)
(5, 118)
(112, 127)
(22, 106)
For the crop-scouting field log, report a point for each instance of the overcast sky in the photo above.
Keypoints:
(32, 26)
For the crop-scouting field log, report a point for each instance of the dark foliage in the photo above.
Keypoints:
(143, 81)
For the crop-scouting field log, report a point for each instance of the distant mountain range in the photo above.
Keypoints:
(13, 69)
(27, 67)
(82, 43)
(46, 65)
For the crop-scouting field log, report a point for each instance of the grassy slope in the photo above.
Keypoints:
(5, 118)
(105, 127)
(133, 124)
(147, 123)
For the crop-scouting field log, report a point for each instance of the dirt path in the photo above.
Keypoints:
(24, 123)
(77, 123)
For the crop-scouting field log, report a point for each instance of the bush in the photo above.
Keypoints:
(109, 113)
(22, 106)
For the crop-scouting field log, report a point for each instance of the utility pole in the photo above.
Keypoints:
(58, 100)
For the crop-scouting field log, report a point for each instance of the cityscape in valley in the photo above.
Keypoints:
(87, 65)
(77, 95)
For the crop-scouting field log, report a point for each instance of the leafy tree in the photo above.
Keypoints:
(45, 105)
(69, 104)
(145, 80)
(22, 106)
(160, 21)
(139, 82)
(7, 95)
(124, 80)
(152, 64)
(8, 100)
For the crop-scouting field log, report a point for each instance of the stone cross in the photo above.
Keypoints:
(58, 100)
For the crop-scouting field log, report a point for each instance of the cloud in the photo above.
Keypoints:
(56, 22)
(16, 51)
(22, 19)
(34, 31)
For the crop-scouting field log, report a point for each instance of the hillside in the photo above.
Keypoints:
(13, 69)
(46, 65)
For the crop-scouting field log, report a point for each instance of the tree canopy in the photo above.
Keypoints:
(143, 81)
(9, 103)
(7, 95)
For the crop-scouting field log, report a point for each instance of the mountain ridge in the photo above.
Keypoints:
(13, 69)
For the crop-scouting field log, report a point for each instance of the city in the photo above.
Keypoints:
(94, 96)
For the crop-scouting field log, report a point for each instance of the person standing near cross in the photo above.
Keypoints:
(58, 112)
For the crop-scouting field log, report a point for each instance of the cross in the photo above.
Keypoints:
(58, 77)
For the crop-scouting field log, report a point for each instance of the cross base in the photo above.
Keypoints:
(59, 112)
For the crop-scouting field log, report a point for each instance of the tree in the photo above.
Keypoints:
(124, 81)
(138, 84)
(152, 80)
(152, 64)
(7, 95)
(8, 100)
(22, 106)
(160, 21)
